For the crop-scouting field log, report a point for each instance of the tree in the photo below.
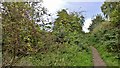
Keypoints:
(111, 11)
(67, 27)
(41, 16)
(21, 35)
(96, 21)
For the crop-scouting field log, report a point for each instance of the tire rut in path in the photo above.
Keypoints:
(96, 58)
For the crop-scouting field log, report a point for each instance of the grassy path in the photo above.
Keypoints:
(96, 58)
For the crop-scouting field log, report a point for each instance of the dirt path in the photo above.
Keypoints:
(96, 58)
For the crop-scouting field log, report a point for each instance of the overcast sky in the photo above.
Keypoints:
(91, 8)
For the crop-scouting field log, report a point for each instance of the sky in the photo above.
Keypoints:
(91, 8)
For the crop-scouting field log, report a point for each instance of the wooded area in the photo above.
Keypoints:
(24, 42)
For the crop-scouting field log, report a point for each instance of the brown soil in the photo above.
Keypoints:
(96, 58)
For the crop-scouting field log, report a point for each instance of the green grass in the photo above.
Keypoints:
(108, 58)
(65, 56)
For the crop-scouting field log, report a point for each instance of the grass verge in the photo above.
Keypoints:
(65, 56)
(108, 58)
